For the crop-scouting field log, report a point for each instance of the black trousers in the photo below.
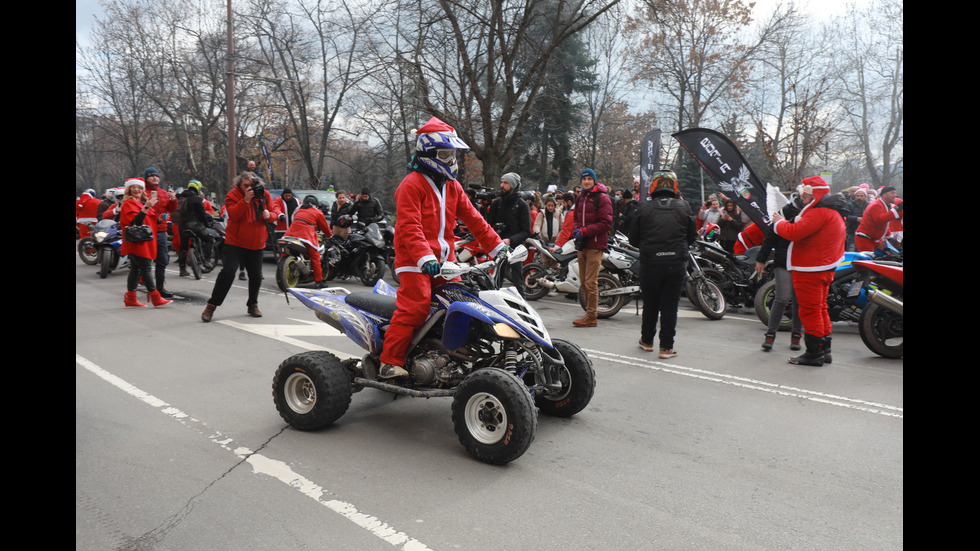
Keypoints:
(140, 267)
(231, 258)
(660, 285)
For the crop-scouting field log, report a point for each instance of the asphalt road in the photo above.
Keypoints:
(178, 445)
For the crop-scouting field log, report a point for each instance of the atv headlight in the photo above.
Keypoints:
(505, 331)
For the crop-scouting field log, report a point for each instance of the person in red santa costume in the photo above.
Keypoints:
(816, 236)
(874, 222)
(428, 202)
(307, 219)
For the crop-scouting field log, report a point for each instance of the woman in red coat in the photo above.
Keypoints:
(138, 209)
(245, 237)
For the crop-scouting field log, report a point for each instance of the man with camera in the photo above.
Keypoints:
(510, 217)
(250, 208)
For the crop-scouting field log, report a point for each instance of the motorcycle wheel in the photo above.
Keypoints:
(195, 264)
(87, 251)
(287, 273)
(372, 270)
(107, 261)
(311, 390)
(535, 290)
(763, 306)
(494, 416)
(708, 298)
(882, 331)
(608, 306)
(577, 383)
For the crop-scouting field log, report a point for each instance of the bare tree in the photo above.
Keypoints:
(791, 105)
(869, 66)
(310, 61)
(694, 52)
(479, 66)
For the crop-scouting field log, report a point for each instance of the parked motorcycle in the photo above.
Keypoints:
(485, 347)
(551, 271)
(703, 292)
(362, 255)
(217, 233)
(881, 324)
(840, 306)
(87, 250)
(108, 242)
(294, 267)
(734, 274)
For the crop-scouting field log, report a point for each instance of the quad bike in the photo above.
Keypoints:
(483, 346)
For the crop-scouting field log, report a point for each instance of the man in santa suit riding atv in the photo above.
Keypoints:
(428, 201)
(816, 236)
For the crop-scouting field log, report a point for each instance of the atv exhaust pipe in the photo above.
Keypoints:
(886, 301)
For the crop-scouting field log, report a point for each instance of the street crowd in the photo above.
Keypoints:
(807, 238)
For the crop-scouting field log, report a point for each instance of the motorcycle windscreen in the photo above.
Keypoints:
(460, 315)
(353, 323)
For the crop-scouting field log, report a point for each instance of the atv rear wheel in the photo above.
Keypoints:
(494, 416)
(311, 390)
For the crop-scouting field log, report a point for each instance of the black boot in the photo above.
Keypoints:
(813, 355)
(770, 339)
(794, 341)
(826, 350)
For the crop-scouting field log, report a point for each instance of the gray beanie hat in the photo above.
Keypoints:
(514, 179)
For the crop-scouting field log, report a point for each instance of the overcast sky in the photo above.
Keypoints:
(85, 9)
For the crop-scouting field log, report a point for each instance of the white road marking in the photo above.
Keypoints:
(782, 390)
(267, 466)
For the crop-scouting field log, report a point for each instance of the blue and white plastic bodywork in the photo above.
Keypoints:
(462, 308)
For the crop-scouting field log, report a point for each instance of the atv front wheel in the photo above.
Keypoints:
(577, 379)
(494, 416)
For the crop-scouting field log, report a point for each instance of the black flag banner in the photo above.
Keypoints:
(726, 166)
(649, 160)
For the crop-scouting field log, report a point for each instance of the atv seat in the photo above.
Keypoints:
(379, 305)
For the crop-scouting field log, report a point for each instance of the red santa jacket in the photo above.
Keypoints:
(874, 221)
(163, 207)
(244, 229)
(127, 215)
(816, 235)
(425, 218)
(306, 221)
(748, 238)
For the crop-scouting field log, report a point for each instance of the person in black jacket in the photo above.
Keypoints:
(194, 220)
(663, 229)
(510, 217)
(367, 208)
(342, 206)
(784, 295)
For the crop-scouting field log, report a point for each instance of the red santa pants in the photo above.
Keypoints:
(811, 294)
(314, 255)
(863, 244)
(412, 301)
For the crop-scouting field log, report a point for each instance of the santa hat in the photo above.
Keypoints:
(135, 182)
(434, 125)
(815, 186)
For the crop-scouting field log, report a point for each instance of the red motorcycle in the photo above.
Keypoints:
(881, 324)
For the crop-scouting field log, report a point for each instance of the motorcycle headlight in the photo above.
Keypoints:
(505, 331)
(99, 236)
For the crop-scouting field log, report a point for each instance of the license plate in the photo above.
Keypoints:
(855, 289)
